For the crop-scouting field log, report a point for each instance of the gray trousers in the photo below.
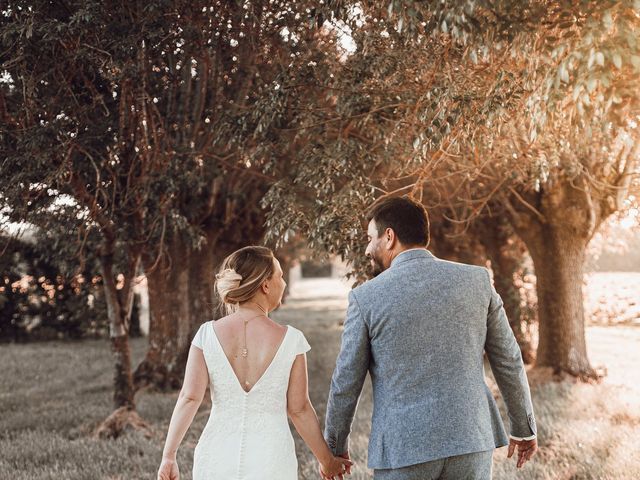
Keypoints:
(471, 466)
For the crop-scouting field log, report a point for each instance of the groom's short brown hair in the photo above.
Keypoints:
(406, 217)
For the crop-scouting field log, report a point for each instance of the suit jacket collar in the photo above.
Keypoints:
(411, 254)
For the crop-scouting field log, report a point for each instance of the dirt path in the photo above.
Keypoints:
(317, 307)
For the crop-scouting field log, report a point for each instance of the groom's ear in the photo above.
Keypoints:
(390, 238)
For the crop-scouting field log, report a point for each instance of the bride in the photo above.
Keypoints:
(256, 370)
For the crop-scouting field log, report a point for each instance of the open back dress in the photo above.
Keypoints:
(247, 435)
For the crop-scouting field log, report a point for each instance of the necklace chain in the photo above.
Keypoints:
(245, 351)
(263, 310)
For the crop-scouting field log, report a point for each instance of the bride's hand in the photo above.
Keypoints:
(168, 470)
(336, 467)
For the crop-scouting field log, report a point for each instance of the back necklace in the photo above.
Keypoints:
(245, 351)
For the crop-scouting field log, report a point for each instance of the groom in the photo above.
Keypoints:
(420, 328)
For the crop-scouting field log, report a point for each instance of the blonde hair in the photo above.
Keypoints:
(241, 275)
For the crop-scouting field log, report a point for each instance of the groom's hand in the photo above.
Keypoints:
(526, 450)
(348, 467)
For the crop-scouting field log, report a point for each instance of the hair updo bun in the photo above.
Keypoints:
(227, 281)
(241, 275)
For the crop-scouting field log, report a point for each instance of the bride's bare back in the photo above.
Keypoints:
(264, 337)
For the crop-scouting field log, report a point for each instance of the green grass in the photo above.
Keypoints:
(53, 394)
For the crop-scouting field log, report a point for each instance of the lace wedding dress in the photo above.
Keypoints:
(247, 435)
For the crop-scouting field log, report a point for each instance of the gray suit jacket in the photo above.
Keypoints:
(420, 329)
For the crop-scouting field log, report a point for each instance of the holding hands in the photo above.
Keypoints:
(336, 467)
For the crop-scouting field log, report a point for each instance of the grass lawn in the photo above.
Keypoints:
(53, 394)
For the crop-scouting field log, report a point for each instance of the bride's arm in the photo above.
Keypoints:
(304, 418)
(196, 378)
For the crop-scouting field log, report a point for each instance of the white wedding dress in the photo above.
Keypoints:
(247, 435)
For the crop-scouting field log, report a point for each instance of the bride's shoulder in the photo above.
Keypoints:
(293, 331)
(207, 325)
(298, 340)
(202, 334)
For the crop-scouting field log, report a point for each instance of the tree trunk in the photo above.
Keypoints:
(507, 255)
(556, 224)
(451, 245)
(202, 269)
(201, 287)
(181, 298)
(123, 395)
(558, 259)
(503, 278)
(119, 299)
(119, 302)
(169, 313)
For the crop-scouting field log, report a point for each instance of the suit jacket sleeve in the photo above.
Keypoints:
(508, 368)
(348, 377)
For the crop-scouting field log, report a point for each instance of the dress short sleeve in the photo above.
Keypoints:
(301, 344)
(198, 338)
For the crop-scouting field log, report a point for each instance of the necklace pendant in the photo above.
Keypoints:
(244, 352)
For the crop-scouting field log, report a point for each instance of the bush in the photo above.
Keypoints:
(40, 301)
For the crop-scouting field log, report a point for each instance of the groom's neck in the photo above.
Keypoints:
(403, 248)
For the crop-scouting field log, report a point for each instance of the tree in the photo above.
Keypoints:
(193, 111)
(538, 112)
(75, 121)
(223, 118)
